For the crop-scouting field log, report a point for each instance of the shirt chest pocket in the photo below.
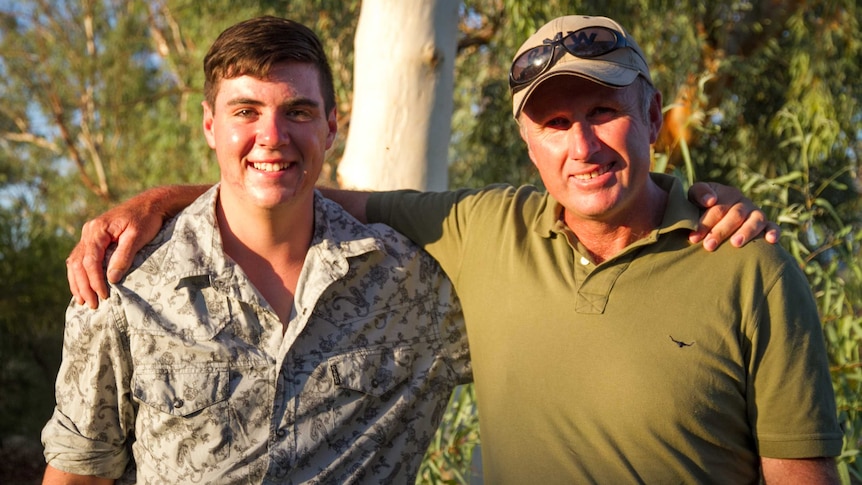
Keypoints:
(348, 396)
(184, 421)
(182, 390)
(371, 372)
(367, 380)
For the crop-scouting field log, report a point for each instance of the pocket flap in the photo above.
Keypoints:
(372, 372)
(181, 390)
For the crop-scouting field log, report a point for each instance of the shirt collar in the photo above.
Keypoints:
(679, 212)
(195, 248)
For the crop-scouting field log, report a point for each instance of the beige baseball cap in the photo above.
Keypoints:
(617, 68)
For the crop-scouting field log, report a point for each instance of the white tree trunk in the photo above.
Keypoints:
(402, 105)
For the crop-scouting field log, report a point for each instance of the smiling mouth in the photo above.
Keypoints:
(595, 173)
(271, 167)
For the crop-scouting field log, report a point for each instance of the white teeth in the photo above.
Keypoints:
(270, 167)
(595, 173)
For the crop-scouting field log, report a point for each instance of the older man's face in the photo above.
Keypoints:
(591, 145)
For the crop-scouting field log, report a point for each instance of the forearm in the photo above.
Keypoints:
(54, 476)
(808, 471)
(167, 200)
(352, 201)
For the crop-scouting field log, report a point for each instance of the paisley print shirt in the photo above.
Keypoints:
(184, 375)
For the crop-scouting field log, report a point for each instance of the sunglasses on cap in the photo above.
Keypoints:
(586, 43)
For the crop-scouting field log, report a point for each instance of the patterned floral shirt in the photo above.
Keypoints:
(184, 376)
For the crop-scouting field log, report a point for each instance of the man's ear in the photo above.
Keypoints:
(655, 116)
(208, 124)
(332, 123)
(524, 138)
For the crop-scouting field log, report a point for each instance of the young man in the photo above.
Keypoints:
(265, 335)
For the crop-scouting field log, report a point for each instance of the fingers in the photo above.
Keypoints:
(80, 292)
(772, 233)
(702, 194)
(729, 216)
(84, 265)
(739, 224)
(93, 268)
(717, 224)
(750, 228)
(120, 261)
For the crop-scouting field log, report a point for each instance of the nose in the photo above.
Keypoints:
(582, 140)
(272, 131)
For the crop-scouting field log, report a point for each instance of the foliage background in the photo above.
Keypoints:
(100, 99)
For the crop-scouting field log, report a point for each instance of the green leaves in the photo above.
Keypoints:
(450, 454)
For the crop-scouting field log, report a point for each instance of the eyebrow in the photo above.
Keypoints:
(293, 103)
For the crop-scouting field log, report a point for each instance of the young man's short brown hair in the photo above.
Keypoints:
(253, 46)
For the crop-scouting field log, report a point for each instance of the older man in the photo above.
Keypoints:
(629, 355)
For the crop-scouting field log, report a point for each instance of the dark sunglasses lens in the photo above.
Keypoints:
(590, 42)
(531, 63)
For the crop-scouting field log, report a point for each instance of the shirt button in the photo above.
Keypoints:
(178, 403)
(584, 261)
(280, 433)
(374, 383)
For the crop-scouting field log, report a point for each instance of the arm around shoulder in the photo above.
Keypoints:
(352, 201)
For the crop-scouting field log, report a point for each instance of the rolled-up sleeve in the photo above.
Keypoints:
(89, 432)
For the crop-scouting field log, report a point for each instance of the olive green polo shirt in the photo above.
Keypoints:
(664, 364)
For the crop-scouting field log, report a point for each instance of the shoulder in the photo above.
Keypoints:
(489, 195)
(502, 195)
(758, 255)
(339, 228)
(185, 244)
(762, 274)
(381, 249)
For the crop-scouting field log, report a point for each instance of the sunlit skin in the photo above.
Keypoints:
(591, 146)
(270, 136)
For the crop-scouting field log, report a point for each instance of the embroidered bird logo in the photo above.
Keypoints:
(680, 343)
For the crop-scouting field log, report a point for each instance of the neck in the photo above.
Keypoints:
(605, 238)
(282, 231)
(270, 246)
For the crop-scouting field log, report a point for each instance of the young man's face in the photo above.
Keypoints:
(270, 136)
(591, 145)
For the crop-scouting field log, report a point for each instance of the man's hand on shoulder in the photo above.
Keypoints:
(728, 214)
(131, 225)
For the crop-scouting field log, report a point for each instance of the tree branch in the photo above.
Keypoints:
(31, 139)
(74, 154)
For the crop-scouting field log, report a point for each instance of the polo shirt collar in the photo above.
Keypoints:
(680, 214)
